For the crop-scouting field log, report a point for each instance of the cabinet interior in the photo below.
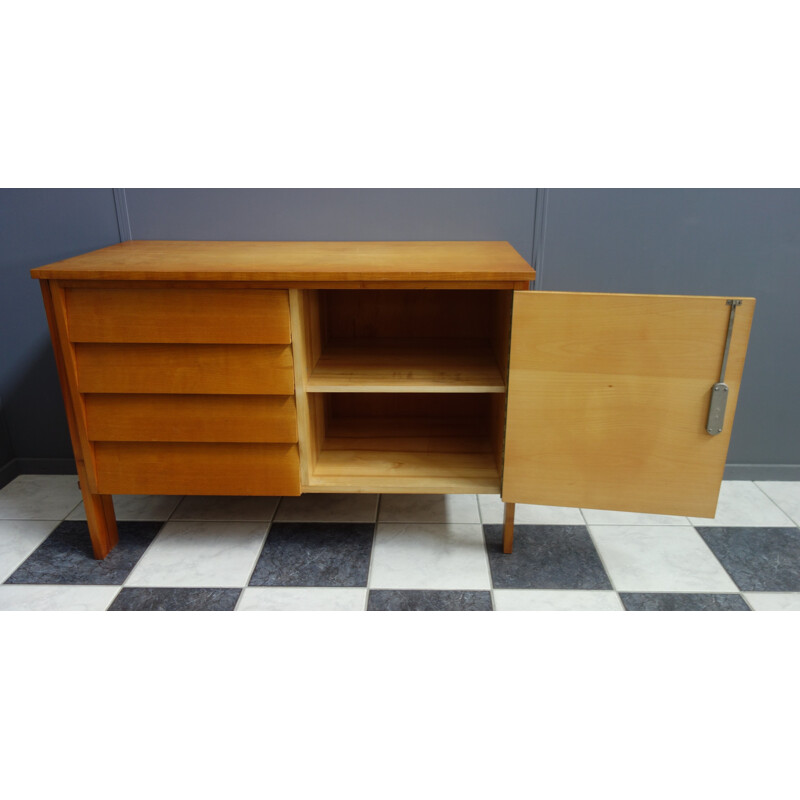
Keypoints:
(404, 389)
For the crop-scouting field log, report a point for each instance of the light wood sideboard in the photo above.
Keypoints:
(277, 368)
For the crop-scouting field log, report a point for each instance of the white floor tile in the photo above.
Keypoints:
(39, 497)
(18, 539)
(773, 601)
(428, 508)
(156, 507)
(241, 509)
(550, 600)
(596, 516)
(786, 494)
(203, 554)
(280, 598)
(328, 508)
(56, 598)
(742, 504)
(492, 510)
(429, 556)
(659, 559)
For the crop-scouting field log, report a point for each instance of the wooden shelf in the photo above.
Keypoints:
(406, 366)
(414, 455)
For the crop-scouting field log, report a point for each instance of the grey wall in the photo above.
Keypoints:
(38, 226)
(737, 242)
(707, 242)
(334, 214)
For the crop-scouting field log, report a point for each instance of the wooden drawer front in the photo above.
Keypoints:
(197, 468)
(201, 316)
(190, 418)
(185, 368)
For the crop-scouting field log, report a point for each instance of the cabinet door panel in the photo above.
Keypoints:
(608, 400)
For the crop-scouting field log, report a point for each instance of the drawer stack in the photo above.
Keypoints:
(187, 390)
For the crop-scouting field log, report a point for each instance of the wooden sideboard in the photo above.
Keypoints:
(276, 368)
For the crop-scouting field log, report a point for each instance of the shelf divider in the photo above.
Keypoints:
(406, 366)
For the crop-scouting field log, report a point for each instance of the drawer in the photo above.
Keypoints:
(190, 418)
(200, 316)
(197, 468)
(185, 368)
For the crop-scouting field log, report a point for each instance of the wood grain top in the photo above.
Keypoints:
(295, 262)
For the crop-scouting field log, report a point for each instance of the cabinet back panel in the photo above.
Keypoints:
(401, 314)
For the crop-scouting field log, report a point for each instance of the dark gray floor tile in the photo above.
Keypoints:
(427, 600)
(545, 557)
(146, 599)
(315, 554)
(758, 559)
(665, 601)
(65, 556)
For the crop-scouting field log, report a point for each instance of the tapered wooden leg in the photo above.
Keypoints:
(100, 517)
(99, 507)
(508, 529)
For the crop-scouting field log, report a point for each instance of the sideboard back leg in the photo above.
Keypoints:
(508, 529)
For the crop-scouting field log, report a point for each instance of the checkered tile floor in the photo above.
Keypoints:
(396, 552)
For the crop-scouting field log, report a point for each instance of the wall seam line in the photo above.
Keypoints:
(123, 218)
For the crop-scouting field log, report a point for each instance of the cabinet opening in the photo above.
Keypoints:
(406, 340)
(415, 443)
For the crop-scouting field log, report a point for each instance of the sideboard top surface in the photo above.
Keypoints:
(309, 262)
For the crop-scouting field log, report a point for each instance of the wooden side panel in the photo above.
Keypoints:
(197, 468)
(608, 400)
(185, 368)
(190, 418)
(247, 316)
(99, 508)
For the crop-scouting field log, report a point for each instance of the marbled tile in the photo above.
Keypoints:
(428, 600)
(682, 601)
(596, 516)
(785, 494)
(294, 598)
(66, 555)
(182, 599)
(545, 557)
(56, 598)
(743, 504)
(18, 539)
(428, 508)
(39, 497)
(191, 553)
(315, 554)
(411, 555)
(758, 559)
(323, 507)
(659, 559)
(773, 601)
(156, 507)
(493, 510)
(555, 600)
(227, 509)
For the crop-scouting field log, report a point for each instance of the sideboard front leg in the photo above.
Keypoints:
(101, 519)
(508, 529)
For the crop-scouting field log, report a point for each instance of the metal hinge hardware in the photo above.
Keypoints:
(719, 391)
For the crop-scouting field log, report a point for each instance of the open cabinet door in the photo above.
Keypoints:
(609, 396)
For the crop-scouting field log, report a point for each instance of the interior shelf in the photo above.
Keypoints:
(406, 366)
(380, 443)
